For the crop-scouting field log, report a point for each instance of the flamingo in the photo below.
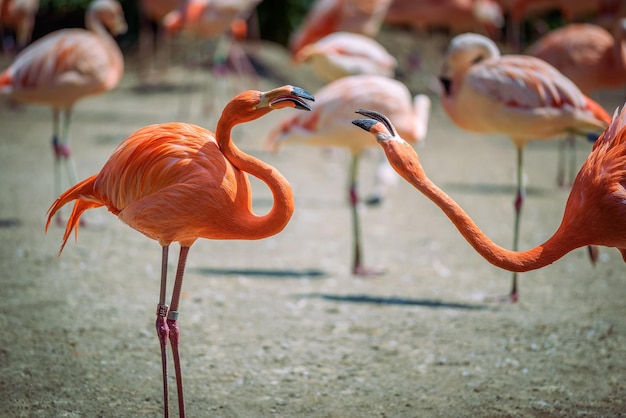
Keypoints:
(516, 95)
(65, 66)
(456, 15)
(220, 21)
(340, 54)
(18, 16)
(588, 55)
(328, 16)
(328, 126)
(595, 212)
(177, 182)
(154, 42)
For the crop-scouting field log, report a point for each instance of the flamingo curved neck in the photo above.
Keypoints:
(254, 226)
(554, 248)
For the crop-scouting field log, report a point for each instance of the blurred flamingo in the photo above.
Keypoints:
(457, 16)
(328, 16)
(18, 16)
(342, 54)
(66, 66)
(606, 12)
(328, 125)
(178, 182)
(588, 55)
(516, 95)
(595, 212)
(155, 44)
(223, 24)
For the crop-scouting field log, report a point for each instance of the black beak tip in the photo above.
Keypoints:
(300, 92)
(365, 124)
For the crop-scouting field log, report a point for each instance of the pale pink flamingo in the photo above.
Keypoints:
(328, 16)
(595, 212)
(177, 182)
(19, 17)
(515, 95)
(65, 66)
(590, 56)
(345, 53)
(328, 125)
(457, 16)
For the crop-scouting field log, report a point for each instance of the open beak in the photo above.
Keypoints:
(378, 117)
(287, 96)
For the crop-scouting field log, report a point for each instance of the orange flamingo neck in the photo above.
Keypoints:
(256, 227)
(405, 161)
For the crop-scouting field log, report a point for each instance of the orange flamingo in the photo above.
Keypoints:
(345, 53)
(516, 95)
(456, 15)
(328, 126)
(18, 16)
(178, 182)
(66, 66)
(595, 212)
(328, 16)
(588, 55)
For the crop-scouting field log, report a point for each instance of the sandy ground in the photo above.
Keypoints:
(279, 327)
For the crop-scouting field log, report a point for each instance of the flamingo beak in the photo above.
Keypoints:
(295, 96)
(379, 117)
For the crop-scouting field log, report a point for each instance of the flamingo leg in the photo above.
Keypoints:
(519, 201)
(162, 328)
(172, 323)
(357, 267)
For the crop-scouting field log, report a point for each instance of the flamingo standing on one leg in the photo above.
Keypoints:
(66, 66)
(591, 57)
(178, 182)
(328, 126)
(520, 96)
(595, 212)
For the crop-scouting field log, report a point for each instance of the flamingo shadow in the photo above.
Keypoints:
(10, 223)
(398, 301)
(262, 273)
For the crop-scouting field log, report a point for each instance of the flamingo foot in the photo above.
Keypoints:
(594, 253)
(512, 297)
(363, 271)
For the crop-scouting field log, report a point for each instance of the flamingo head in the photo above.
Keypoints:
(111, 14)
(253, 104)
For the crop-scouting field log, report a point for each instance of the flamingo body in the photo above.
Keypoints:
(177, 182)
(342, 54)
(587, 54)
(458, 16)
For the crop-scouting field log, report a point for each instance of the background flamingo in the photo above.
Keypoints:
(155, 44)
(519, 96)
(66, 66)
(328, 16)
(18, 16)
(217, 24)
(328, 125)
(457, 16)
(594, 214)
(341, 54)
(588, 55)
(178, 182)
